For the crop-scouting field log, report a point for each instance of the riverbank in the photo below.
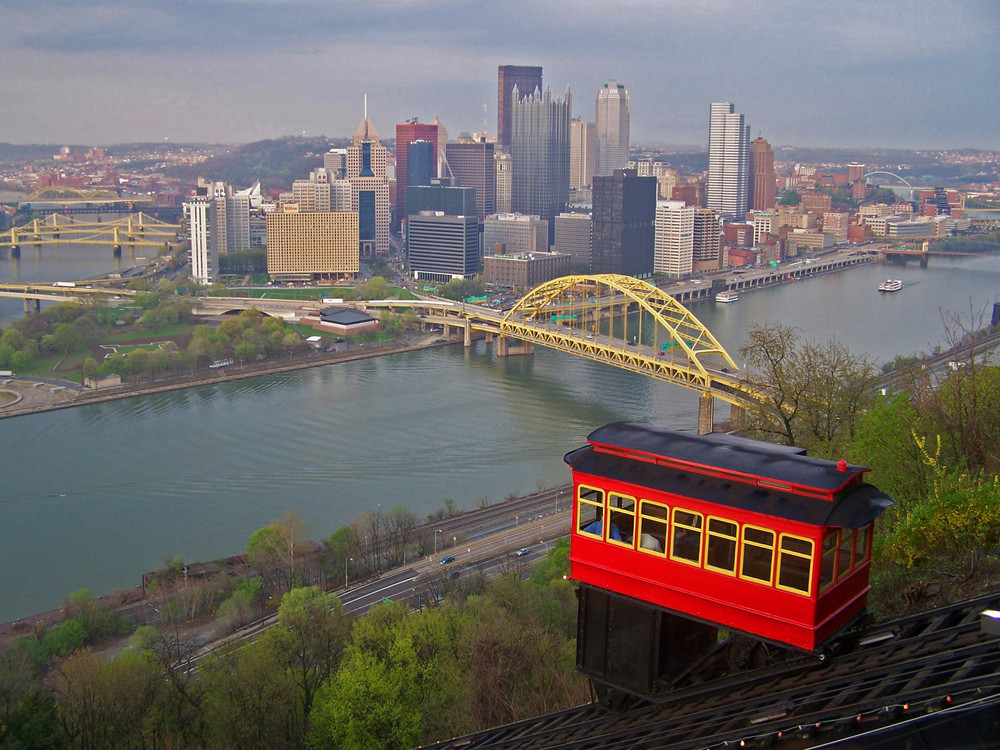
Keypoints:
(35, 395)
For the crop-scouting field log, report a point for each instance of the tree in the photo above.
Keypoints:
(106, 703)
(274, 548)
(249, 696)
(371, 703)
(313, 630)
(790, 198)
(810, 394)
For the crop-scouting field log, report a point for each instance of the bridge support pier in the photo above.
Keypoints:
(467, 337)
(706, 414)
(28, 305)
(923, 261)
(736, 414)
(505, 349)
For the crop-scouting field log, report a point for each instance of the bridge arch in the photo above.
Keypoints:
(577, 295)
(890, 174)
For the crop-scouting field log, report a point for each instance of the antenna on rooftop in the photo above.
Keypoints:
(484, 119)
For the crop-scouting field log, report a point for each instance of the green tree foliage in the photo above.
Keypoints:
(106, 703)
(959, 519)
(313, 630)
(253, 260)
(371, 703)
(790, 198)
(375, 288)
(275, 549)
(249, 697)
(460, 289)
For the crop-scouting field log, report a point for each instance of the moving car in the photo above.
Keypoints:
(448, 559)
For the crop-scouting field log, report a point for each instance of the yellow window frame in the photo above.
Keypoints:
(584, 502)
(680, 527)
(745, 543)
(615, 513)
(783, 559)
(663, 521)
(734, 539)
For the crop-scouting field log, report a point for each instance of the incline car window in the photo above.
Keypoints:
(720, 554)
(652, 526)
(846, 552)
(794, 563)
(622, 512)
(686, 541)
(861, 545)
(758, 554)
(826, 572)
(590, 510)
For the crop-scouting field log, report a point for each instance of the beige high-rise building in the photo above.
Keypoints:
(612, 128)
(322, 192)
(318, 246)
(582, 147)
(673, 249)
(503, 162)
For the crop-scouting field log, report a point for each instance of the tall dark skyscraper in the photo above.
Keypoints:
(421, 163)
(527, 78)
(406, 133)
(540, 127)
(624, 224)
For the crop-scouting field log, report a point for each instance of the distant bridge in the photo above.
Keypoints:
(134, 230)
(890, 174)
(612, 319)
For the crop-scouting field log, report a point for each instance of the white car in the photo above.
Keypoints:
(523, 551)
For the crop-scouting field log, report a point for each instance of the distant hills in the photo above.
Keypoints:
(277, 162)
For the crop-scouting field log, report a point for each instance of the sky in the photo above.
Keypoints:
(839, 73)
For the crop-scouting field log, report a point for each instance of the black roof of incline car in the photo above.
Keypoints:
(743, 461)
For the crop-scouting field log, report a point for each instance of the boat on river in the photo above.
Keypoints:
(890, 285)
(726, 296)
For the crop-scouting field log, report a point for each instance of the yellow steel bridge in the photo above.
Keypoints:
(139, 230)
(616, 320)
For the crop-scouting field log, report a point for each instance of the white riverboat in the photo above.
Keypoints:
(726, 296)
(890, 285)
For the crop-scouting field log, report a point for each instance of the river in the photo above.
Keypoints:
(94, 496)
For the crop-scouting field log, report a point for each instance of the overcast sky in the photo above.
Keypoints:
(865, 73)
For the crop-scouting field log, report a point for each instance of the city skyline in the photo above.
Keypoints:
(243, 70)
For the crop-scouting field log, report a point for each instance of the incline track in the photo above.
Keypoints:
(898, 671)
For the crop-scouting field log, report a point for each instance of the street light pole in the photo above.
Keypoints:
(436, 532)
(345, 569)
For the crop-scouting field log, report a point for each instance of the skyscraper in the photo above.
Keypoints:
(526, 78)
(728, 162)
(612, 128)
(370, 189)
(421, 166)
(674, 253)
(582, 150)
(473, 165)
(540, 128)
(407, 133)
(624, 212)
(762, 176)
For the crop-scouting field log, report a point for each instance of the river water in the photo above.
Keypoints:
(94, 496)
